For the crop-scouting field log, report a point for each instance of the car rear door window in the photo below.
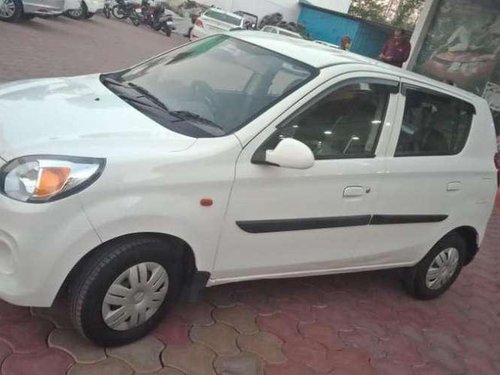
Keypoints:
(433, 124)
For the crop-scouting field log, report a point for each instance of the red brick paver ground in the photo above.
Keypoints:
(337, 325)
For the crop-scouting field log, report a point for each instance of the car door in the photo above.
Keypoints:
(290, 221)
(429, 184)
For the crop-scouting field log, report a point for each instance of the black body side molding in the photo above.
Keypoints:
(406, 219)
(288, 225)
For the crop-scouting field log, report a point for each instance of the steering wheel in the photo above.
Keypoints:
(202, 90)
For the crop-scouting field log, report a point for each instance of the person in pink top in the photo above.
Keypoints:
(396, 50)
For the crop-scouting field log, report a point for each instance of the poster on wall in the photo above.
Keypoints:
(462, 47)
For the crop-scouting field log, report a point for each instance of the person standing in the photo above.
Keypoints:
(396, 50)
(345, 43)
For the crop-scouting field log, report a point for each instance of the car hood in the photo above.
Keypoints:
(76, 116)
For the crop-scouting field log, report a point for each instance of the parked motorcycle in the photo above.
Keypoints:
(154, 16)
(107, 9)
(123, 9)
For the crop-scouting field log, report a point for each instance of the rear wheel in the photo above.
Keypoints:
(11, 10)
(78, 14)
(434, 274)
(122, 292)
(168, 31)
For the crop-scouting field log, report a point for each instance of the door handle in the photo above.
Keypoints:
(454, 186)
(355, 191)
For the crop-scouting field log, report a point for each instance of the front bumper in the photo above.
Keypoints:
(39, 245)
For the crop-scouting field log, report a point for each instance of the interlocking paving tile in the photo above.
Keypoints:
(308, 352)
(354, 360)
(110, 366)
(264, 344)
(48, 361)
(298, 309)
(280, 324)
(323, 334)
(289, 368)
(10, 314)
(167, 371)
(57, 314)
(142, 355)
(221, 296)
(173, 330)
(218, 337)
(195, 313)
(4, 351)
(240, 318)
(240, 364)
(82, 350)
(28, 336)
(193, 359)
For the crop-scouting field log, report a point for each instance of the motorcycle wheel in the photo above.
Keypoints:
(168, 31)
(107, 12)
(118, 13)
(135, 21)
(156, 26)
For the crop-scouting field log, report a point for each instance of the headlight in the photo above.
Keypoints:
(46, 178)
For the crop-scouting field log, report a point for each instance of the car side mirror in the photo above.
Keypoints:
(289, 153)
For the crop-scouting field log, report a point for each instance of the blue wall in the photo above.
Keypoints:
(367, 39)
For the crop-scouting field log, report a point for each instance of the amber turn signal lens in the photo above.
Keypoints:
(51, 180)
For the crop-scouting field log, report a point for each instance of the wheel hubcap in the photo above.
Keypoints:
(7, 8)
(442, 268)
(135, 296)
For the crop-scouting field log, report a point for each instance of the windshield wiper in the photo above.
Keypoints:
(185, 115)
(145, 93)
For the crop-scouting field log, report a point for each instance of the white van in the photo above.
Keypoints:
(237, 157)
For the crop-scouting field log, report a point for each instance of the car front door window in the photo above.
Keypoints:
(345, 123)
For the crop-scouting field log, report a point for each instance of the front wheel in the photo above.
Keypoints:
(11, 10)
(118, 12)
(168, 31)
(434, 274)
(135, 21)
(121, 293)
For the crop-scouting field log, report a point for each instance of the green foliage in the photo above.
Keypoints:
(372, 10)
(406, 13)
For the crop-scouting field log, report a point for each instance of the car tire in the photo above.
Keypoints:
(14, 11)
(28, 17)
(438, 270)
(115, 299)
(78, 14)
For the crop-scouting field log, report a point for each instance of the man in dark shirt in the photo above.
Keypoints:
(396, 50)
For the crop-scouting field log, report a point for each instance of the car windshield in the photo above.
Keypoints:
(209, 88)
(224, 17)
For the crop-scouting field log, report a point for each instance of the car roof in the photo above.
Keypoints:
(321, 56)
(222, 11)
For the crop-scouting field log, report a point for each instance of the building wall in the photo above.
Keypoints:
(367, 39)
(459, 41)
(289, 8)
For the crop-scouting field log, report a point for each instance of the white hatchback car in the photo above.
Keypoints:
(214, 21)
(237, 157)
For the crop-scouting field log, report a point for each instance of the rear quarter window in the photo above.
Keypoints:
(434, 124)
